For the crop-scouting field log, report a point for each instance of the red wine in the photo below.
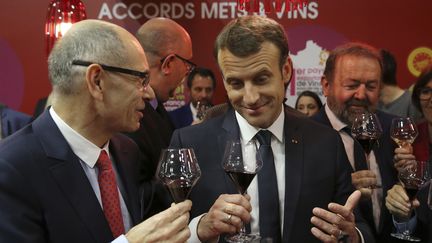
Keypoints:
(179, 189)
(367, 143)
(242, 180)
(411, 191)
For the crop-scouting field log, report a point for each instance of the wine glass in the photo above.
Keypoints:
(403, 131)
(178, 170)
(241, 165)
(412, 177)
(202, 107)
(366, 129)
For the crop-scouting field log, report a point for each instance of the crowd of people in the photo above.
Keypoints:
(84, 169)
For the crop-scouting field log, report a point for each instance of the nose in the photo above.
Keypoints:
(251, 94)
(148, 93)
(360, 93)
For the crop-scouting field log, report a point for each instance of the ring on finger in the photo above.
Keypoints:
(228, 218)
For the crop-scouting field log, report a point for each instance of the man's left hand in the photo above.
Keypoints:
(337, 222)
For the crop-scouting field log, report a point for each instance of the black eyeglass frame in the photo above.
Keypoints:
(145, 76)
(189, 63)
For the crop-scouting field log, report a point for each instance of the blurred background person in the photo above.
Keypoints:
(308, 103)
(11, 121)
(168, 48)
(393, 99)
(201, 83)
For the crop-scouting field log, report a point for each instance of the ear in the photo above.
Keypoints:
(287, 70)
(166, 65)
(94, 81)
(325, 85)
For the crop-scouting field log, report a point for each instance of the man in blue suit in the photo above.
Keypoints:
(351, 82)
(201, 83)
(70, 176)
(11, 121)
(306, 169)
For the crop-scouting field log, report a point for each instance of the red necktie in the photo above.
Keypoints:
(109, 194)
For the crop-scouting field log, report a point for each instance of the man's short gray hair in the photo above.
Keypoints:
(94, 41)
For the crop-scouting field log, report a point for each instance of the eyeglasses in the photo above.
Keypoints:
(190, 65)
(425, 93)
(144, 76)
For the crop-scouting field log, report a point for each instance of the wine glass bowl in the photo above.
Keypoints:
(403, 131)
(366, 129)
(241, 165)
(179, 171)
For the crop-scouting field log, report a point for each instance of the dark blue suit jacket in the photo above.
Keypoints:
(12, 121)
(384, 153)
(181, 117)
(317, 171)
(45, 195)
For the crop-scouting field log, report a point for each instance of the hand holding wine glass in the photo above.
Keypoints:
(412, 177)
(241, 168)
(179, 171)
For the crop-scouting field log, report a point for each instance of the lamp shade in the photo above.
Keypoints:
(60, 17)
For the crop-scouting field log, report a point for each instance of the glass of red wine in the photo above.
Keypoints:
(241, 166)
(366, 129)
(412, 177)
(179, 171)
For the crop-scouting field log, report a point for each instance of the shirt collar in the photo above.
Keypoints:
(248, 132)
(334, 120)
(87, 151)
(154, 103)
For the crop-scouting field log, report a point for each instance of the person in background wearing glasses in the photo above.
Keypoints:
(168, 48)
(71, 176)
(201, 83)
(289, 200)
(308, 103)
(397, 200)
(351, 83)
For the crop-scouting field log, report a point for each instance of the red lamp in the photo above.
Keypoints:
(254, 5)
(60, 17)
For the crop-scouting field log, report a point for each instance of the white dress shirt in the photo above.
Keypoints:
(88, 154)
(348, 142)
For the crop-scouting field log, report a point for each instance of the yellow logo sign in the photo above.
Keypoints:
(419, 59)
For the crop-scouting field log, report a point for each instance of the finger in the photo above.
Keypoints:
(322, 236)
(363, 173)
(181, 236)
(353, 200)
(328, 218)
(325, 226)
(364, 182)
(237, 199)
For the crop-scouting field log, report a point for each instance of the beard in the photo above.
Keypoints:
(345, 113)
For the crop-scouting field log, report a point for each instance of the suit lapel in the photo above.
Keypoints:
(232, 131)
(293, 171)
(126, 169)
(66, 170)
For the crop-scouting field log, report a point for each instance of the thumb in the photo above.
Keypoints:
(353, 200)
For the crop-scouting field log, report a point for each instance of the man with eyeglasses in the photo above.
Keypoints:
(71, 176)
(168, 49)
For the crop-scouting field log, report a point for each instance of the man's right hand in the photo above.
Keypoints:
(225, 216)
(398, 203)
(170, 225)
(364, 181)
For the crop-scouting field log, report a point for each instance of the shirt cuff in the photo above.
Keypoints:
(120, 239)
(193, 226)
(361, 236)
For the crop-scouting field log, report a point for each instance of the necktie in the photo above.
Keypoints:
(359, 154)
(269, 219)
(109, 194)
